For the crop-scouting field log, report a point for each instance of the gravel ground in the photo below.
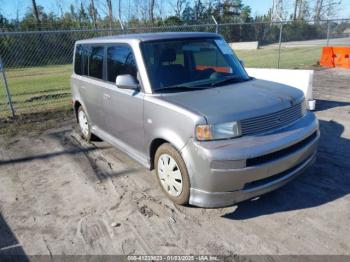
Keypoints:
(61, 195)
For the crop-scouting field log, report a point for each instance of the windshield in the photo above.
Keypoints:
(191, 64)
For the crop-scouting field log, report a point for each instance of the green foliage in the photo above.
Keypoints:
(172, 20)
(301, 30)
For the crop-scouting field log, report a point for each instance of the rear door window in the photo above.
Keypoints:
(120, 61)
(96, 62)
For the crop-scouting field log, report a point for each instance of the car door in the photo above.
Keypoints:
(123, 108)
(91, 83)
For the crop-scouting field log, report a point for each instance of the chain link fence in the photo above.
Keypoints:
(37, 64)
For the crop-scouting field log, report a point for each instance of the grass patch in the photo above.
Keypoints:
(291, 58)
(38, 89)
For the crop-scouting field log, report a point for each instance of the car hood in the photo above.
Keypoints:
(237, 101)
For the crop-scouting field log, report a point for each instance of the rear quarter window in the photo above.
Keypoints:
(78, 65)
(89, 61)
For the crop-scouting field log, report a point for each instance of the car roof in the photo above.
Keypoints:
(149, 37)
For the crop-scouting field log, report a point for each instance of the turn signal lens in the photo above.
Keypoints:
(218, 131)
(203, 132)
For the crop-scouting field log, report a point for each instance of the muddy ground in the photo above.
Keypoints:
(61, 195)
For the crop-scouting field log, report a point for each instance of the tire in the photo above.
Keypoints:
(84, 124)
(172, 174)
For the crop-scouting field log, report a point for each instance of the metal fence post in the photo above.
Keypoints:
(216, 24)
(328, 31)
(8, 95)
(279, 46)
(121, 25)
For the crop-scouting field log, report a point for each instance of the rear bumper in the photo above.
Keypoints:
(223, 173)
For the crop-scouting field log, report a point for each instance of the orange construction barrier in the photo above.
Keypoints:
(335, 56)
(327, 57)
(341, 57)
(220, 69)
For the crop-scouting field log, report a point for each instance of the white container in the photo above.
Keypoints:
(312, 104)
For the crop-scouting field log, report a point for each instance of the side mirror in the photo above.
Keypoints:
(126, 82)
(241, 62)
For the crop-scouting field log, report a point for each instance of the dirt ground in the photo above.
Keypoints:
(61, 195)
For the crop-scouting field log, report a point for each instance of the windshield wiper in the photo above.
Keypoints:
(231, 79)
(180, 88)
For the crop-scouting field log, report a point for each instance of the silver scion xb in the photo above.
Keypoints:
(183, 104)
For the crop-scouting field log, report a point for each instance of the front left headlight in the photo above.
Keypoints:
(218, 131)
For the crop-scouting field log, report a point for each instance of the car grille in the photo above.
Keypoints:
(272, 121)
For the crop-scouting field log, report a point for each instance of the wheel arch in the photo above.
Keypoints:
(164, 136)
(155, 144)
(76, 106)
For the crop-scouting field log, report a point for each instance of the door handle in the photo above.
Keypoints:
(106, 96)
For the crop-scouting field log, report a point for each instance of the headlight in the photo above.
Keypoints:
(218, 131)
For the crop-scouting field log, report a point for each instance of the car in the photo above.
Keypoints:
(183, 105)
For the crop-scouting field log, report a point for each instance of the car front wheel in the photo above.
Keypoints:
(172, 174)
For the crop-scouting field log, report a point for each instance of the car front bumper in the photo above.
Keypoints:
(225, 172)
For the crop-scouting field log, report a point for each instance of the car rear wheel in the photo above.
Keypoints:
(84, 124)
(172, 174)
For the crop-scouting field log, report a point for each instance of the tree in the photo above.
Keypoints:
(278, 11)
(296, 5)
(196, 9)
(304, 10)
(93, 11)
(245, 14)
(188, 13)
(324, 9)
(151, 10)
(36, 14)
(172, 20)
(199, 10)
(83, 17)
(110, 13)
(120, 9)
(179, 6)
